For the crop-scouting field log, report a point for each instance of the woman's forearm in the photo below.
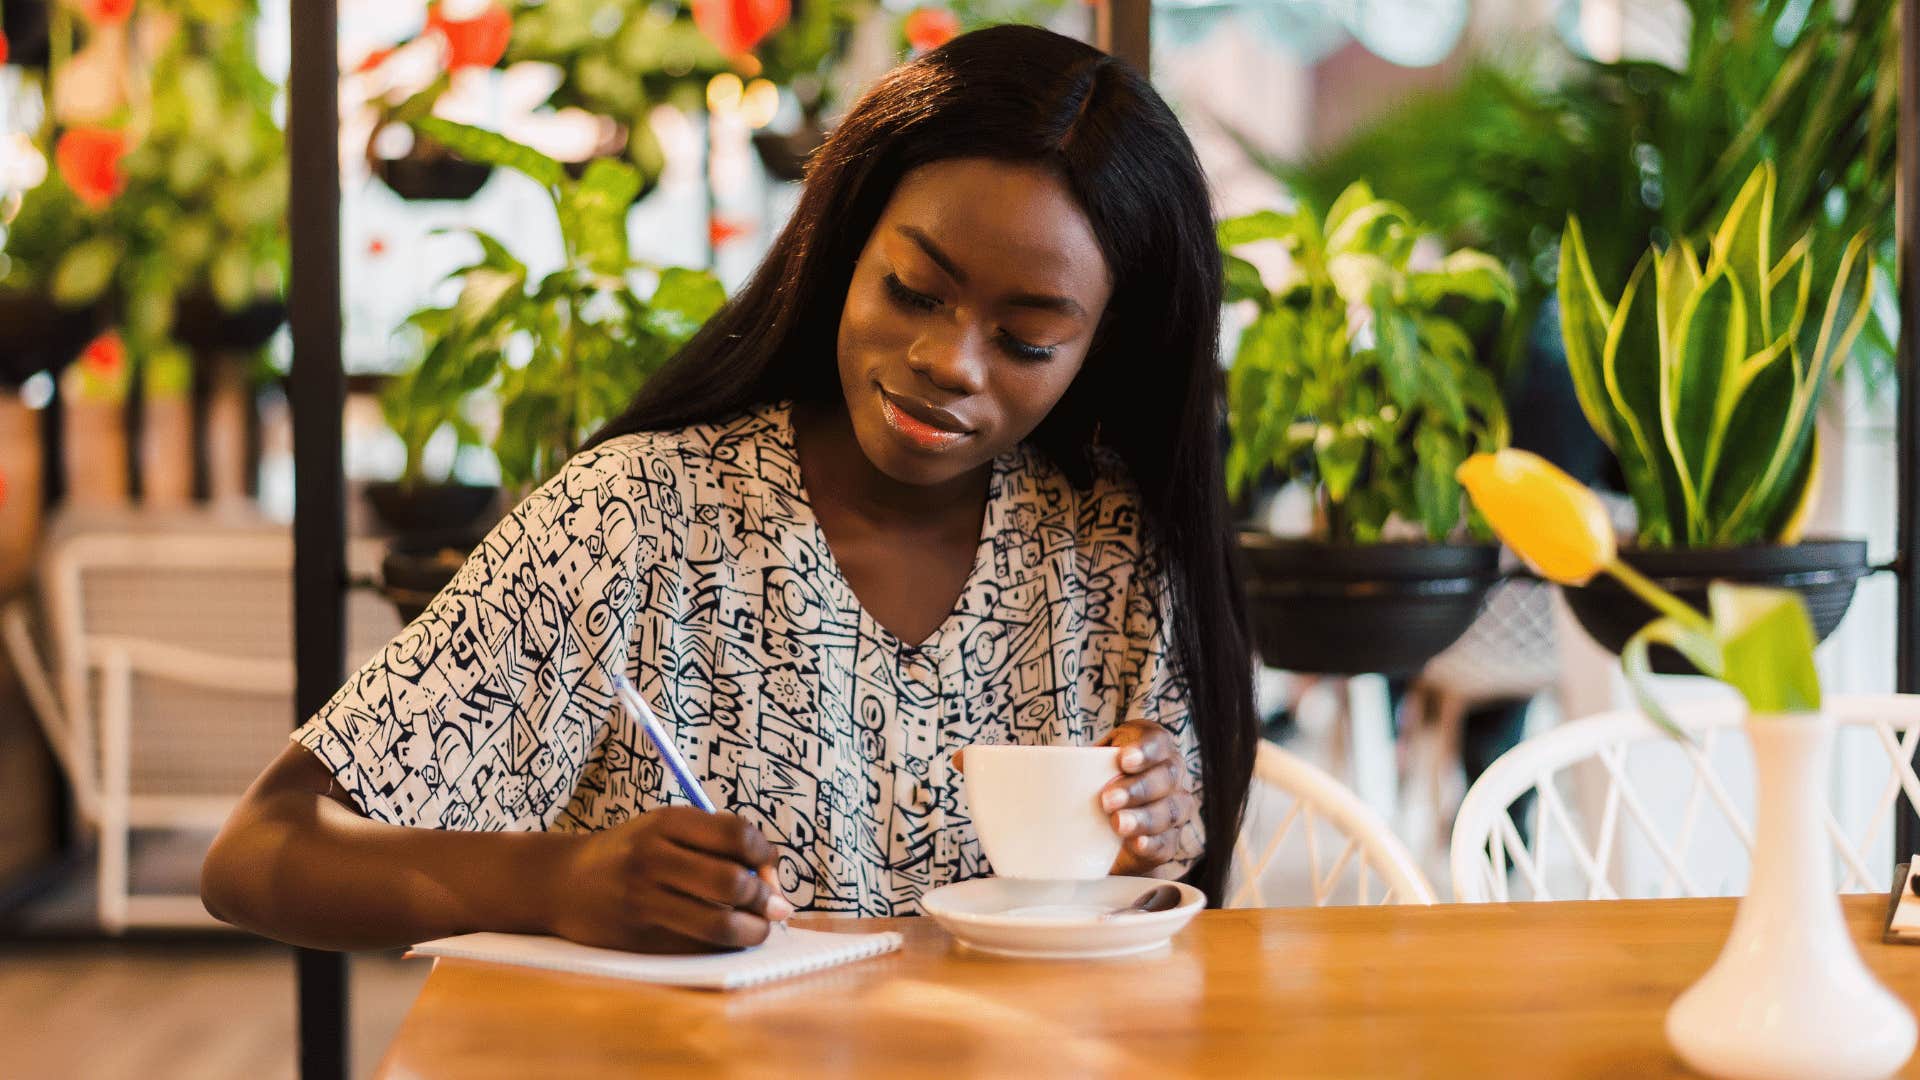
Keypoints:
(295, 865)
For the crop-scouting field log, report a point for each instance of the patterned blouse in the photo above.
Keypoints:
(691, 560)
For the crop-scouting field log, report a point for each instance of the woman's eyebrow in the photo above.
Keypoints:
(1065, 305)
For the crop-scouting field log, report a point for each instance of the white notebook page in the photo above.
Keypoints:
(788, 951)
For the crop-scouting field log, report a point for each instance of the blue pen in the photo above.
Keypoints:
(637, 708)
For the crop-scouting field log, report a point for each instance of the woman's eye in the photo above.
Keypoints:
(909, 298)
(1020, 350)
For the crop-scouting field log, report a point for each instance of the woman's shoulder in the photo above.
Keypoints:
(671, 455)
(1107, 505)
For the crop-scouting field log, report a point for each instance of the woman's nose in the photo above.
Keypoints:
(952, 356)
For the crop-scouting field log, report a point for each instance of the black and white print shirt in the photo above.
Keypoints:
(691, 561)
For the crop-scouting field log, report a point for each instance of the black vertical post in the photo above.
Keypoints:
(1124, 28)
(1907, 499)
(318, 393)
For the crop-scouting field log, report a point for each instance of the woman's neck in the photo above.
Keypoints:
(838, 472)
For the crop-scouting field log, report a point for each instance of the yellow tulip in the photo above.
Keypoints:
(1549, 519)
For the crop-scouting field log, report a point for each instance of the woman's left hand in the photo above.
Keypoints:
(1150, 801)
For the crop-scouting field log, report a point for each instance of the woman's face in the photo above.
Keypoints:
(970, 312)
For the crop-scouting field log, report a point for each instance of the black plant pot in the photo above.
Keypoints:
(429, 509)
(38, 335)
(785, 153)
(1823, 572)
(202, 325)
(1349, 609)
(423, 177)
(417, 567)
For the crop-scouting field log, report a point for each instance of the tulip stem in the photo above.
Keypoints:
(1658, 598)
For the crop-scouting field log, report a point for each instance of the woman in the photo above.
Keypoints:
(944, 472)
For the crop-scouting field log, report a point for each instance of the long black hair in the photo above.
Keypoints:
(1148, 390)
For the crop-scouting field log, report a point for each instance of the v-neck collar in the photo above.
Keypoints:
(780, 424)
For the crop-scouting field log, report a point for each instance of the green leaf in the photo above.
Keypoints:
(86, 269)
(1397, 341)
(1260, 225)
(1465, 273)
(1755, 431)
(683, 302)
(1741, 246)
(1339, 461)
(1712, 337)
(1767, 642)
(1357, 197)
(1679, 278)
(1699, 648)
(593, 215)
(1359, 278)
(1243, 280)
(1584, 318)
(492, 148)
(484, 294)
(1633, 374)
(1436, 492)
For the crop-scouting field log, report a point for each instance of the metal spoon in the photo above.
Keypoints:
(1158, 898)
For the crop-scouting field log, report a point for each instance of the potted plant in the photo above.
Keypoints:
(1355, 379)
(1788, 995)
(559, 355)
(1705, 380)
(418, 408)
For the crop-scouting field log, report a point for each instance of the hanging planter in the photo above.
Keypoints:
(423, 509)
(37, 334)
(204, 326)
(785, 153)
(429, 173)
(1350, 609)
(1823, 572)
(417, 567)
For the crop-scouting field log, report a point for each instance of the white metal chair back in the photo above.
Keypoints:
(168, 684)
(1301, 820)
(1620, 809)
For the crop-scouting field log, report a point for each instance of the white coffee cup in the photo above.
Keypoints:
(1037, 809)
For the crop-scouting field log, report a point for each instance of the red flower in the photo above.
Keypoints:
(930, 28)
(736, 26)
(477, 42)
(721, 231)
(372, 60)
(105, 356)
(376, 247)
(3, 46)
(106, 12)
(89, 161)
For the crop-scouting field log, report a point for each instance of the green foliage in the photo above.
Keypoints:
(1644, 154)
(562, 354)
(1705, 380)
(1759, 641)
(1377, 412)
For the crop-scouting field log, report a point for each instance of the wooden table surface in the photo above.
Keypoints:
(1483, 990)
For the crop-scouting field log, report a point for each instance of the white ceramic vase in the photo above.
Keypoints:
(1788, 996)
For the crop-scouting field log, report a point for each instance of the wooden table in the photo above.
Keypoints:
(1536, 990)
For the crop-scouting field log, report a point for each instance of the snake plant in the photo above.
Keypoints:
(1705, 378)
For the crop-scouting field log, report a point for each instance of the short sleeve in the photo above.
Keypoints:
(1159, 692)
(474, 717)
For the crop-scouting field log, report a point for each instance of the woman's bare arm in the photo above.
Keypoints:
(297, 861)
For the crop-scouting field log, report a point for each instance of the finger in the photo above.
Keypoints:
(960, 761)
(1153, 849)
(729, 836)
(729, 928)
(1139, 789)
(1142, 745)
(713, 879)
(1161, 815)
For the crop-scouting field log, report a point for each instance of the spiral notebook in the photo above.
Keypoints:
(786, 953)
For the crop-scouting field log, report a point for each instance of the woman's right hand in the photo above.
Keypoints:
(675, 880)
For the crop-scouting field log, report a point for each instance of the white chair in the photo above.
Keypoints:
(1345, 848)
(1620, 809)
(167, 685)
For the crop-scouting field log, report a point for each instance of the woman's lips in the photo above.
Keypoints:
(915, 429)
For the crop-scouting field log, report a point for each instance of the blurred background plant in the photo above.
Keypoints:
(1355, 376)
(1646, 151)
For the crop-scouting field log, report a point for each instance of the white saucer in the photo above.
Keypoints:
(1057, 920)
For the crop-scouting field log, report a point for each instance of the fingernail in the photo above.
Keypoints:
(1129, 821)
(778, 909)
(1114, 799)
(1143, 843)
(1132, 758)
